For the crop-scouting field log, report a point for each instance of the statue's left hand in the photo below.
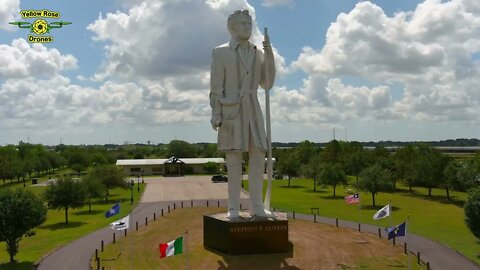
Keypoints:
(216, 121)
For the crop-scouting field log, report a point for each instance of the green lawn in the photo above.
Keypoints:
(435, 218)
(54, 233)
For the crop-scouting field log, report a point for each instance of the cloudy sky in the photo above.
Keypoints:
(138, 70)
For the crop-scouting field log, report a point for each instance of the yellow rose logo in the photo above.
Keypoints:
(40, 27)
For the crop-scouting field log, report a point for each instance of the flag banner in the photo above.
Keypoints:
(113, 211)
(352, 199)
(396, 231)
(171, 248)
(121, 224)
(384, 212)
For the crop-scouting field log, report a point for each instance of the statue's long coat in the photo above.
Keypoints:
(233, 95)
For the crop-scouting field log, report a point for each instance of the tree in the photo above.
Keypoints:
(382, 157)
(313, 170)
(110, 176)
(181, 149)
(454, 178)
(99, 159)
(404, 159)
(65, 194)
(305, 151)
(332, 175)
(355, 159)
(93, 188)
(374, 179)
(332, 152)
(20, 212)
(41, 161)
(209, 150)
(288, 164)
(472, 212)
(428, 167)
(78, 159)
(7, 160)
(211, 167)
(471, 171)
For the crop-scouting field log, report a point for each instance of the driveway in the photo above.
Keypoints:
(165, 189)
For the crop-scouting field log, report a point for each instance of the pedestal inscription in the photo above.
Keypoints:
(246, 235)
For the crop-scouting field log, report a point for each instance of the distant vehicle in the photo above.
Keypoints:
(277, 176)
(219, 178)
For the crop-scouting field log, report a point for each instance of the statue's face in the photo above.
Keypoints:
(243, 27)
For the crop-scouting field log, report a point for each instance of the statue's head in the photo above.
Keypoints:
(240, 25)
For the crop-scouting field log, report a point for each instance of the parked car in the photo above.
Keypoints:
(277, 176)
(219, 178)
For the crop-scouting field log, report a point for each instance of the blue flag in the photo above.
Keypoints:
(396, 231)
(113, 211)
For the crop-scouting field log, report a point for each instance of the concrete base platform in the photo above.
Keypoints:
(246, 235)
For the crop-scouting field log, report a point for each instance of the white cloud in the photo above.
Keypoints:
(21, 60)
(333, 101)
(9, 11)
(166, 38)
(156, 70)
(427, 51)
(273, 3)
(48, 103)
(361, 101)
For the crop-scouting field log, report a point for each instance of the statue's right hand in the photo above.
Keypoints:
(216, 121)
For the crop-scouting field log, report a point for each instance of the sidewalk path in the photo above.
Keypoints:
(77, 254)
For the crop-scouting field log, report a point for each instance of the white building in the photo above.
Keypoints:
(170, 166)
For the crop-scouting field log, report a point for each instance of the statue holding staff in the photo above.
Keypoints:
(237, 69)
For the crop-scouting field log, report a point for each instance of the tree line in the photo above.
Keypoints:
(450, 142)
(25, 160)
(415, 165)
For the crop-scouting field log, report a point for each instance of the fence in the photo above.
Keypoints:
(312, 217)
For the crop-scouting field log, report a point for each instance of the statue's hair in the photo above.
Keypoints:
(232, 19)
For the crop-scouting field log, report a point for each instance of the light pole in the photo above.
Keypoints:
(138, 182)
(131, 191)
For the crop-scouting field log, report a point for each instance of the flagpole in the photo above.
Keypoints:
(186, 249)
(390, 211)
(132, 261)
(359, 207)
(406, 241)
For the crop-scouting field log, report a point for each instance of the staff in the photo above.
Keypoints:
(269, 130)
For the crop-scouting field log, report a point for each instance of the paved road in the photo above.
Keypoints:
(184, 189)
(77, 255)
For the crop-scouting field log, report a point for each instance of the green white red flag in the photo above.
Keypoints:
(171, 248)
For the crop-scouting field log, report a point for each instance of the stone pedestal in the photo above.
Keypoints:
(246, 235)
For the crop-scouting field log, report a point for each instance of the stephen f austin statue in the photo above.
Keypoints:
(237, 69)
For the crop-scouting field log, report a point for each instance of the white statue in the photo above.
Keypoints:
(238, 68)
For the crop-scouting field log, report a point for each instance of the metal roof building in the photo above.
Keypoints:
(170, 166)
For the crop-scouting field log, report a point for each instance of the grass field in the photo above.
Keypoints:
(435, 218)
(54, 233)
(346, 249)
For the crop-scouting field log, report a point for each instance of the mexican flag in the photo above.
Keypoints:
(171, 248)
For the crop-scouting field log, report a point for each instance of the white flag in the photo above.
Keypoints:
(121, 224)
(384, 212)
